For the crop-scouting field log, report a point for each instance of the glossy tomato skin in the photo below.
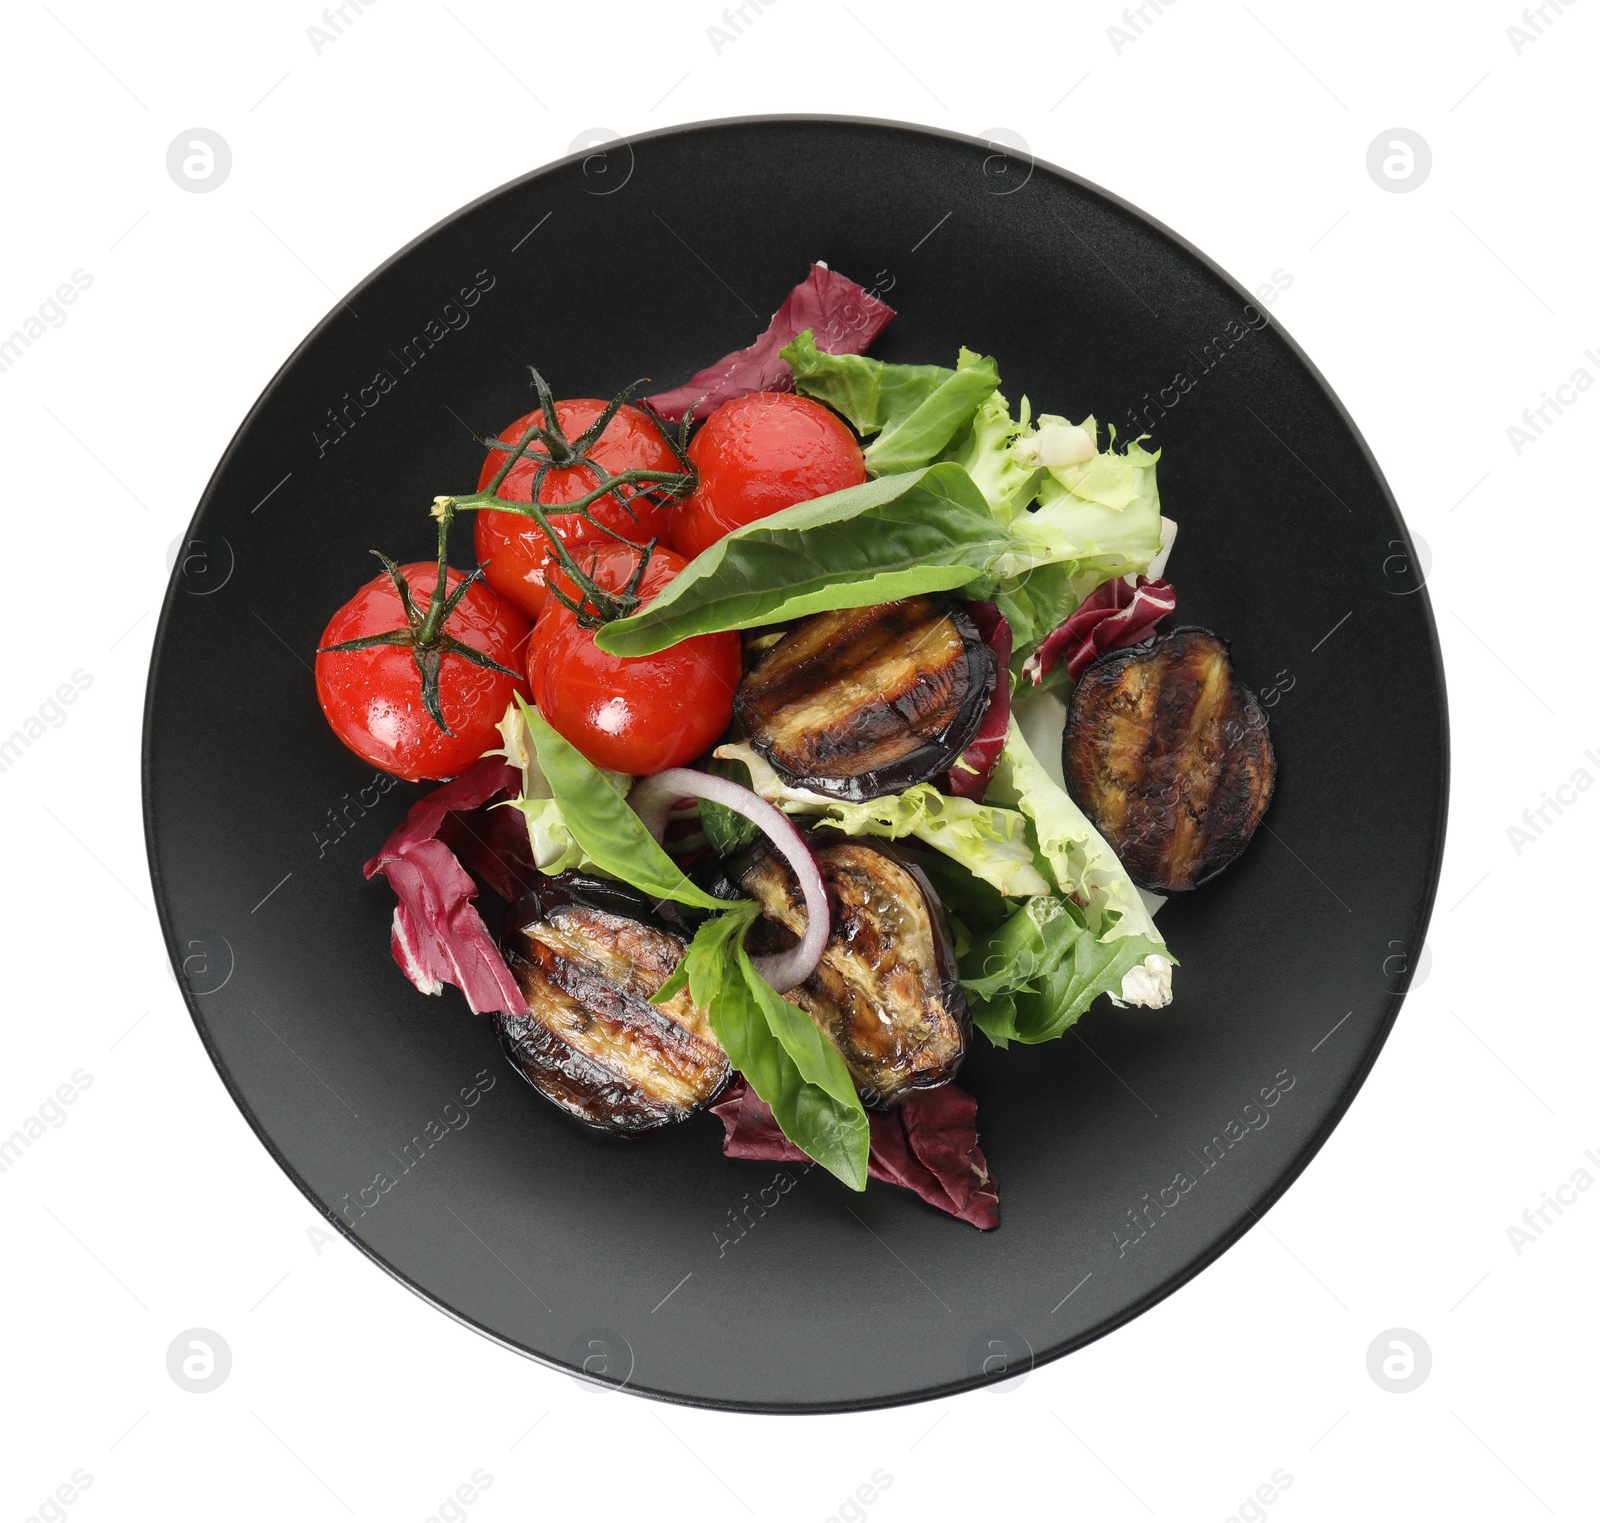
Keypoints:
(373, 697)
(634, 714)
(758, 454)
(514, 551)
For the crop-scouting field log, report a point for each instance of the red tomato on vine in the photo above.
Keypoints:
(515, 552)
(416, 683)
(634, 714)
(757, 455)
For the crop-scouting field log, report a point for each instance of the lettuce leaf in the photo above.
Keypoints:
(1101, 516)
(1097, 510)
(1032, 977)
(991, 843)
(1084, 867)
(986, 451)
(1098, 516)
(776, 1046)
(554, 850)
(914, 410)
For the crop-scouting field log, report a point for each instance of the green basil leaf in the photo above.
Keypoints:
(815, 1058)
(607, 831)
(704, 965)
(1035, 602)
(776, 1046)
(814, 1104)
(915, 410)
(924, 531)
(1030, 979)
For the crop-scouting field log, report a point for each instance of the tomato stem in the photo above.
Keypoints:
(594, 605)
(425, 635)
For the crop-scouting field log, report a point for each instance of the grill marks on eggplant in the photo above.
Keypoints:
(885, 993)
(861, 702)
(594, 1044)
(1167, 752)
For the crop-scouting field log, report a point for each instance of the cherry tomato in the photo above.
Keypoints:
(635, 714)
(514, 551)
(760, 453)
(373, 697)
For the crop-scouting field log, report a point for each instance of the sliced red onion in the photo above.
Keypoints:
(653, 797)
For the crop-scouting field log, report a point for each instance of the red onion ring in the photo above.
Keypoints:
(651, 799)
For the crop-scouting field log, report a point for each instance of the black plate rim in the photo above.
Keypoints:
(1252, 1214)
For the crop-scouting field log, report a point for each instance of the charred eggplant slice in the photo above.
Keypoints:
(867, 701)
(1167, 752)
(587, 954)
(885, 993)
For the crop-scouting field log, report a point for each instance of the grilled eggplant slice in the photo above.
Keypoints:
(1166, 750)
(886, 991)
(587, 954)
(862, 702)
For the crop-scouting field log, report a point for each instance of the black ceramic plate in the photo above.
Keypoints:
(1130, 1153)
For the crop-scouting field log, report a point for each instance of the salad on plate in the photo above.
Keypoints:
(806, 718)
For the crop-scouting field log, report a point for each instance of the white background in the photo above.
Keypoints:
(1438, 315)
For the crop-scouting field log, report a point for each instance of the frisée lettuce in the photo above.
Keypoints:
(1085, 869)
(990, 842)
(1102, 515)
